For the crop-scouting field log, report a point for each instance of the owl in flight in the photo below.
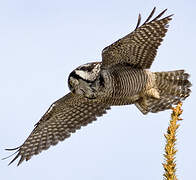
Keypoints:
(121, 78)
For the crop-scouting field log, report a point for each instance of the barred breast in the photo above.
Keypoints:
(126, 81)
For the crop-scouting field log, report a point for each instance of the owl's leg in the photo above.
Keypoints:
(150, 88)
(153, 92)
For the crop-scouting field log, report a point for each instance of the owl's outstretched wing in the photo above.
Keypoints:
(138, 48)
(64, 117)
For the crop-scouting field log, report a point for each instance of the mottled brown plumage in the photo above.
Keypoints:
(63, 117)
(121, 78)
(138, 48)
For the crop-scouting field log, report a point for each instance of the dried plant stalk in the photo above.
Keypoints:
(170, 150)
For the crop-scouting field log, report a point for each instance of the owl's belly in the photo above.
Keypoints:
(123, 84)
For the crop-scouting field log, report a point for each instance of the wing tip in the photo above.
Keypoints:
(151, 15)
(138, 21)
(16, 157)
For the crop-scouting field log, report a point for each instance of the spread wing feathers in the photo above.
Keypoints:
(173, 87)
(63, 117)
(138, 48)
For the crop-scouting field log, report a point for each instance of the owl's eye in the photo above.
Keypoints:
(73, 81)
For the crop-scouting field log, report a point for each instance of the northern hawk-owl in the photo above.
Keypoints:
(122, 78)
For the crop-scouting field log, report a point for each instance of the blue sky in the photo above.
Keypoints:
(42, 42)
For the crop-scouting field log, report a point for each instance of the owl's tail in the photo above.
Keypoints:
(173, 87)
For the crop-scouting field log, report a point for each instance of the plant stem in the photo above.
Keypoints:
(170, 149)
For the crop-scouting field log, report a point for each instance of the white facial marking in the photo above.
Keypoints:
(92, 75)
(83, 74)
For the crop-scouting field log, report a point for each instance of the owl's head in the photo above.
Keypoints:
(82, 80)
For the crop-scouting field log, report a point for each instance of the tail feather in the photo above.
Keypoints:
(173, 87)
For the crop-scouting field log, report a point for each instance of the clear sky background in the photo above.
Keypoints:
(41, 42)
